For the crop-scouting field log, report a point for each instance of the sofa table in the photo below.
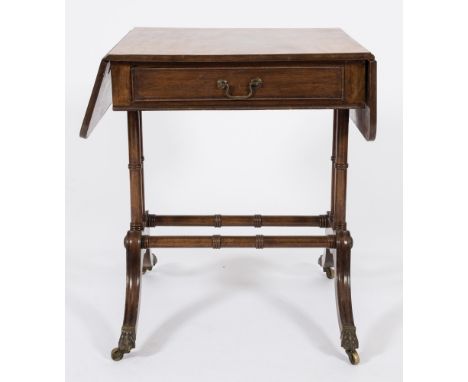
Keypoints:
(237, 69)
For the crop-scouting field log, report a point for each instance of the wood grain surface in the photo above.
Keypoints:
(100, 100)
(207, 45)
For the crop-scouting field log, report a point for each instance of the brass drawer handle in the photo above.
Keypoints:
(254, 84)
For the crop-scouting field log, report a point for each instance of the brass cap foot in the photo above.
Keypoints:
(353, 356)
(330, 272)
(117, 354)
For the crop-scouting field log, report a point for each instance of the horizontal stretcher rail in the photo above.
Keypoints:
(237, 220)
(258, 241)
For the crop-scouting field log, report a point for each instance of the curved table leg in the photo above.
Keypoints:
(132, 295)
(349, 339)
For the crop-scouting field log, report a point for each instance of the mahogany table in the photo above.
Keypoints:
(235, 69)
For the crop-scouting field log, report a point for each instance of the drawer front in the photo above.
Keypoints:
(276, 86)
(237, 84)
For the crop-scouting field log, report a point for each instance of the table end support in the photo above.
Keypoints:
(127, 338)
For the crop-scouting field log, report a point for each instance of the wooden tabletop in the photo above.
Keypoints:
(201, 45)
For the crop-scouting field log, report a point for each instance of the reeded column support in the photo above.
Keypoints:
(326, 260)
(149, 258)
(340, 171)
(135, 167)
(132, 240)
(344, 242)
(333, 161)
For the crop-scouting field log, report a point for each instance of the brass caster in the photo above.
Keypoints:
(330, 272)
(117, 354)
(353, 356)
(153, 262)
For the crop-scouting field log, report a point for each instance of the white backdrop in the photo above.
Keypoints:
(233, 314)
